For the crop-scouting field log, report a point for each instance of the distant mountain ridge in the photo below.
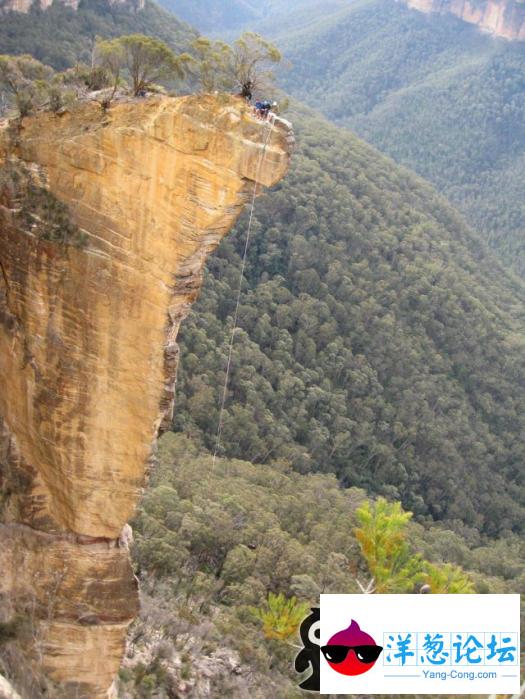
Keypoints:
(24, 6)
(431, 91)
(215, 14)
(505, 18)
(217, 17)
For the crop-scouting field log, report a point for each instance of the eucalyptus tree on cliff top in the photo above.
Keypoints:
(245, 67)
(212, 61)
(144, 59)
(23, 78)
(253, 58)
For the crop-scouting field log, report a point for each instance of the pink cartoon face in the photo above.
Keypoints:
(351, 651)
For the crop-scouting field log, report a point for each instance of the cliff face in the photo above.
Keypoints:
(88, 351)
(25, 5)
(505, 18)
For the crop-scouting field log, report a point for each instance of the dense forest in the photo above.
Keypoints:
(61, 36)
(434, 93)
(231, 556)
(378, 339)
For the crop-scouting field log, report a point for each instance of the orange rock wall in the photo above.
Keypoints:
(88, 348)
(25, 5)
(505, 18)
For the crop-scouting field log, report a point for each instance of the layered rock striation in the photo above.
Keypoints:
(504, 18)
(25, 5)
(89, 315)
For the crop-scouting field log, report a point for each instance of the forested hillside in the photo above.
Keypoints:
(61, 36)
(230, 558)
(379, 340)
(219, 17)
(431, 91)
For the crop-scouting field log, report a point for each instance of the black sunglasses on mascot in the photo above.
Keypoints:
(365, 654)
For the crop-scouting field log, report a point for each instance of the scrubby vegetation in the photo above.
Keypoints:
(231, 556)
(29, 86)
(34, 208)
(135, 64)
(144, 59)
(25, 80)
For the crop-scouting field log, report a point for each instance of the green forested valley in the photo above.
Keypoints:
(431, 91)
(379, 339)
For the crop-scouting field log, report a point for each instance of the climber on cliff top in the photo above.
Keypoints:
(262, 108)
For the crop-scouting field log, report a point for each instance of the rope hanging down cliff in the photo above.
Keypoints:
(239, 290)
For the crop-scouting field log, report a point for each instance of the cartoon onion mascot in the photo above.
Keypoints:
(351, 651)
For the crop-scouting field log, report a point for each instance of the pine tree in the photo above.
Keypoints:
(382, 538)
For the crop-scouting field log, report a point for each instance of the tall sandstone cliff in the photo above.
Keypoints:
(505, 18)
(25, 5)
(88, 351)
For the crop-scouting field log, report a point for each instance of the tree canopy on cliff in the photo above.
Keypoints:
(245, 67)
(144, 59)
(24, 79)
(212, 61)
(252, 62)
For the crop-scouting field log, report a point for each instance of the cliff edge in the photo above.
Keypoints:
(90, 308)
(504, 18)
(24, 6)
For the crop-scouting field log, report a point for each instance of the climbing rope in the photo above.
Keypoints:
(239, 290)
